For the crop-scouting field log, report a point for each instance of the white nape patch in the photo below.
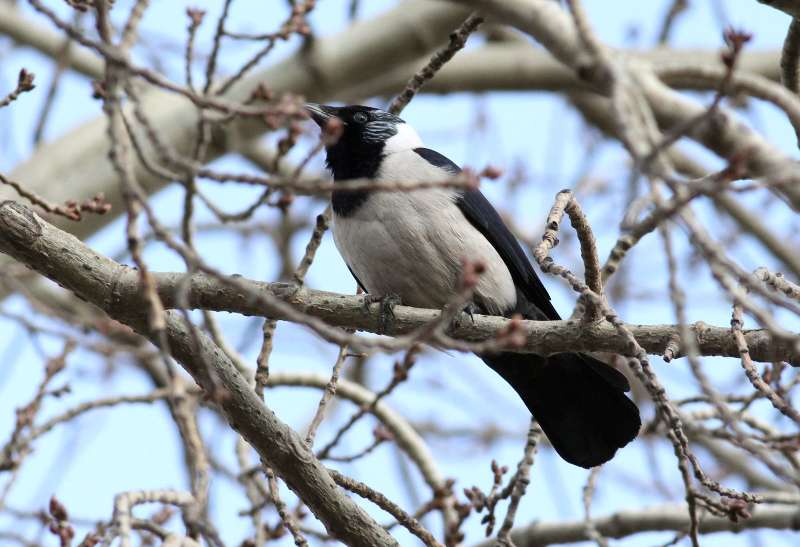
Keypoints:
(406, 138)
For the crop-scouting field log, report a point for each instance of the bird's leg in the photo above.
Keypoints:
(470, 309)
(386, 311)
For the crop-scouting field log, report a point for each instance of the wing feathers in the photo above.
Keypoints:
(480, 213)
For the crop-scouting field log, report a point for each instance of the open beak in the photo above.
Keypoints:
(321, 113)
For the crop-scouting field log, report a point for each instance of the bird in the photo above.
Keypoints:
(412, 245)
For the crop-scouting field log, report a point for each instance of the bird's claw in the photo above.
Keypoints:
(470, 310)
(386, 311)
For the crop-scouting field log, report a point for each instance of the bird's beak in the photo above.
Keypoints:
(321, 113)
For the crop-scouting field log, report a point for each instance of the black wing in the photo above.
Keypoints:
(480, 213)
(360, 284)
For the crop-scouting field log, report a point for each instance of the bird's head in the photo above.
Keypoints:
(365, 135)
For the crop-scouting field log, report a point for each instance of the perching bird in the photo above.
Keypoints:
(412, 245)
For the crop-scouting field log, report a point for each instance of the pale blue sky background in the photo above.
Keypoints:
(106, 452)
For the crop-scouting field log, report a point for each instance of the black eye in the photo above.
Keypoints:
(360, 117)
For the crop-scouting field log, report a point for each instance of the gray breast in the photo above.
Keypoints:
(413, 243)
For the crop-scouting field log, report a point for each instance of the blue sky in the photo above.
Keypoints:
(106, 452)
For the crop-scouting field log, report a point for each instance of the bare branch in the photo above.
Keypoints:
(115, 284)
(279, 446)
(24, 85)
(662, 518)
(458, 39)
(79, 157)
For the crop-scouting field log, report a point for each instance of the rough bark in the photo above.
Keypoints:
(116, 289)
(670, 518)
(92, 277)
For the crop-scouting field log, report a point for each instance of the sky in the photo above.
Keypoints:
(85, 464)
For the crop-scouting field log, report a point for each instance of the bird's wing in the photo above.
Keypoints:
(480, 213)
(360, 284)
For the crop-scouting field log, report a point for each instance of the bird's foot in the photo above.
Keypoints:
(385, 312)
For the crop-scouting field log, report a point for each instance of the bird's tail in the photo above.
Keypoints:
(579, 402)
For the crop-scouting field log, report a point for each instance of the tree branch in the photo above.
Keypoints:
(725, 135)
(654, 519)
(24, 31)
(79, 158)
(92, 277)
(597, 111)
(405, 435)
(789, 7)
(524, 67)
(116, 289)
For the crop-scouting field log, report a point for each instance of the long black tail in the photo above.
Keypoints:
(579, 402)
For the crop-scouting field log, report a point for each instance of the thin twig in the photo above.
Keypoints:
(24, 85)
(520, 484)
(458, 40)
(406, 520)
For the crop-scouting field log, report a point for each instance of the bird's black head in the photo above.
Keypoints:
(366, 135)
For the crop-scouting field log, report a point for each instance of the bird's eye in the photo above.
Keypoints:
(360, 117)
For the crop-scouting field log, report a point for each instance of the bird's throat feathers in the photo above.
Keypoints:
(359, 155)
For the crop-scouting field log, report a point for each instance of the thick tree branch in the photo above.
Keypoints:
(723, 133)
(79, 157)
(597, 110)
(116, 289)
(91, 276)
(24, 31)
(523, 67)
(789, 7)
(656, 519)
(405, 435)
